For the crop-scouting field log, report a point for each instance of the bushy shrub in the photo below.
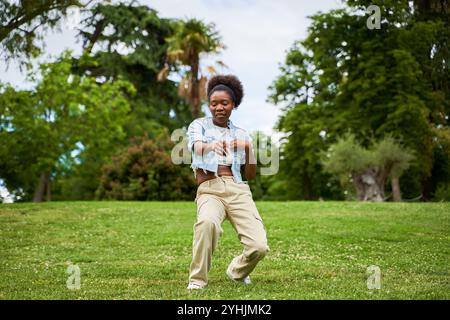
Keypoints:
(144, 171)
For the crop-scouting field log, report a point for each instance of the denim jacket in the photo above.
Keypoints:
(203, 129)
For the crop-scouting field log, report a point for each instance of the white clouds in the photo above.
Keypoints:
(254, 114)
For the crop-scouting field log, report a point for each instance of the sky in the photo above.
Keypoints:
(257, 34)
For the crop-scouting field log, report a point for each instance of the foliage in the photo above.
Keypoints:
(124, 41)
(374, 82)
(442, 192)
(144, 171)
(348, 159)
(347, 156)
(265, 150)
(129, 41)
(24, 22)
(52, 127)
(191, 39)
(392, 156)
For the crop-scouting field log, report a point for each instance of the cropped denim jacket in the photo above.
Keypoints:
(203, 129)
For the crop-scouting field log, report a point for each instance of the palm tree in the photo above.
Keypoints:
(190, 40)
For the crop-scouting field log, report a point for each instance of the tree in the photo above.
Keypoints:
(23, 23)
(368, 169)
(191, 39)
(265, 153)
(394, 160)
(128, 41)
(42, 130)
(144, 171)
(374, 82)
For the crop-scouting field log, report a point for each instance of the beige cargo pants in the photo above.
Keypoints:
(219, 199)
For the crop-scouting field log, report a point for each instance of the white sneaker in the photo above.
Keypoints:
(245, 281)
(194, 286)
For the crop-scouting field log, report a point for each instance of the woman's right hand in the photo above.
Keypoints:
(219, 147)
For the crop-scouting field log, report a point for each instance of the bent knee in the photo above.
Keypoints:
(259, 250)
(206, 224)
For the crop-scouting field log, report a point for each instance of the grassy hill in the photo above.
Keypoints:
(142, 250)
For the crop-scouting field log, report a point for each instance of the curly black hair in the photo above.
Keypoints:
(230, 81)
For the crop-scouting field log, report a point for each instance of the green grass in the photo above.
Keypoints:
(142, 250)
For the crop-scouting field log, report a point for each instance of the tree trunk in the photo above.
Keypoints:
(195, 93)
(43, 185)
(49, 189)
(367, 187)
(396, 194)
(426, 189)
(308, 193)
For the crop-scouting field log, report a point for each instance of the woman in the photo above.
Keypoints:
(220, 152)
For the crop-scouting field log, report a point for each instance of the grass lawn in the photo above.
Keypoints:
(142, 250)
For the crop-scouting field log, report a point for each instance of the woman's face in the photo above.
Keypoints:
(221, 105)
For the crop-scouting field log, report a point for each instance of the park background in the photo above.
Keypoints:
(354, 98)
